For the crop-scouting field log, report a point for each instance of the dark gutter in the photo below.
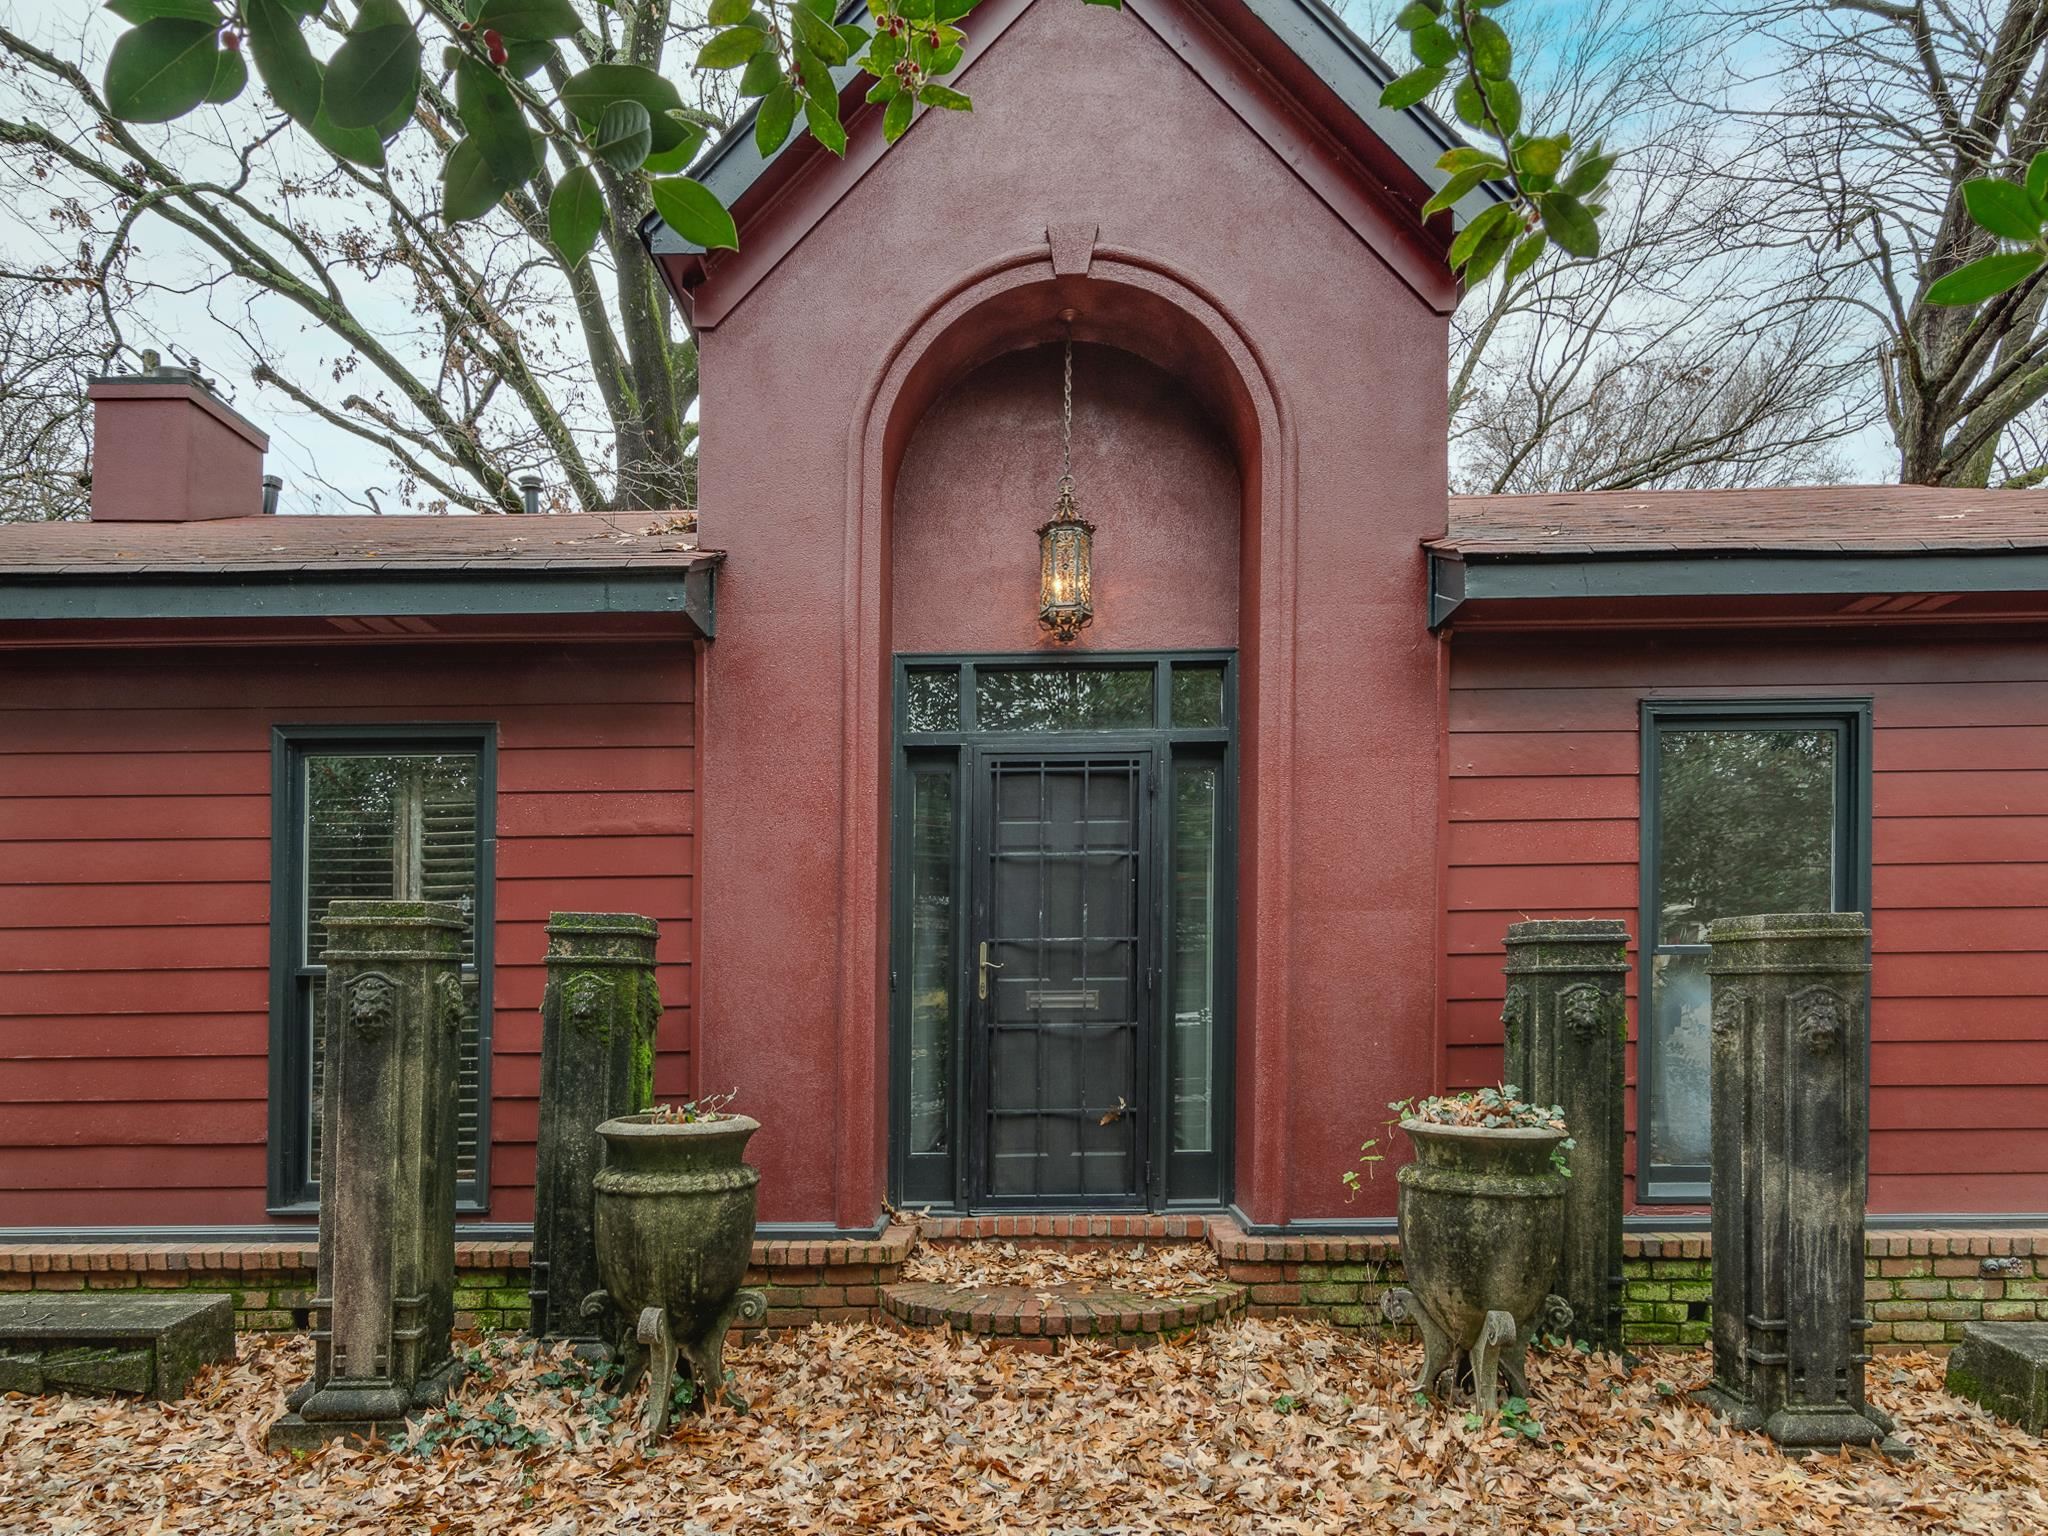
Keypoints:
(1455, 580)
(686, 591)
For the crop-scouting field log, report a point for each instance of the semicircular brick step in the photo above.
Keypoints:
(1041, 1316)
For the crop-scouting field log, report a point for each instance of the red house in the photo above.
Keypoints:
(1152, 923)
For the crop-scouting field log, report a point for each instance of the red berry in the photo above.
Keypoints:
(231, 40)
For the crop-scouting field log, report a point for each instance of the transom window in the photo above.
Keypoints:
(1747, 808)
(392, 813)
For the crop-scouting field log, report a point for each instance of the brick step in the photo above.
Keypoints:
(1043, 1317)
(1064, 1227)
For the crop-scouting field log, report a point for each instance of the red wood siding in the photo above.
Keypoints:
(1543, 822)
(135, 893)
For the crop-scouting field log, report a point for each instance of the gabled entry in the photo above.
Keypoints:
(1061, 921)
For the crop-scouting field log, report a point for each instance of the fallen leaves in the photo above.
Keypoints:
(1149, 1269)
(1256, 1428)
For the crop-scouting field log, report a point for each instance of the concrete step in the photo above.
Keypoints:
(1045, 1318)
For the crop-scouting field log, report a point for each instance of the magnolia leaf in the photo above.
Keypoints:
(1411, 88)
(492, 118)
(1114, 5)
(1420, 14)
(855, 38)
(576, 214)
(2003, 208)
(373, 75)
(677, 157)
(1464, 157)
(469, 188)
(1588, 175)
(1570, 223)
(1539, 157)
(824, 10)
(1469, 104)
(1499, 216)
(230, 76)
(1985, 278)
(762, 74)
(775, 118)
(821, 115)
(819, 36)
(139, 11)
(1505, 103)
(530, 20)
(625, 136)
(953, 10)
(290, 72)
(1433, 44)
(896, 120)
(161, 69)
(888, 88)
(728, 13)
(2037, 179)
(1532, 246)
(1451, 191)
(587, 93)
(1487, 254)
(735, 45)
(941, 96)
(361, 146)
(1492, 54)
(689, 208)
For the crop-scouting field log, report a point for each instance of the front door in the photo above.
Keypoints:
(1062, 960)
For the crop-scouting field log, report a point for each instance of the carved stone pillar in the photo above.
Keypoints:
(384, 1300)
(596, 1064)
(1791, 1091)
(1566, 1018)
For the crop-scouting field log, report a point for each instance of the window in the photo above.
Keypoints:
(1747, 808)
(373, 812)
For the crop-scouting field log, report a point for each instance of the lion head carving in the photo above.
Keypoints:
(372, 1004)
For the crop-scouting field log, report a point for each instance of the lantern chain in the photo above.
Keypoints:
(1067, 418)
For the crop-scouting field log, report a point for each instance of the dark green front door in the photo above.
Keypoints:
(1062, 959)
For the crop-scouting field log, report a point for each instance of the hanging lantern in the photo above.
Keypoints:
(1066, 578)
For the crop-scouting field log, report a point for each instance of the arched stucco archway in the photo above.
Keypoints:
(1122, 299)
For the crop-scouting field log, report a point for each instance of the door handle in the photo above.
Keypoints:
(982, 967)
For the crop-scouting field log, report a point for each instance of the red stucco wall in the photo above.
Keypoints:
(1231, 271)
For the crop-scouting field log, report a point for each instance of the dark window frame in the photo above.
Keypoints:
(291, 1189)
(1178, 1181)
(1852, 718)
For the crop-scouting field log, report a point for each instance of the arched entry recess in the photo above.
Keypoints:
(1126, 300)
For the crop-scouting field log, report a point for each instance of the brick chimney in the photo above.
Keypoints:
(166, 449)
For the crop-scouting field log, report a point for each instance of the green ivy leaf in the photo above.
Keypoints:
(1419, 14)
(933, 95)
(1487, 254)
(2003, 208)
(624, 137)
(1985, 278)
(375, 73)
(161, 69)
(775, 119)
(1492, 54)
(733, 46)
(819, 36)
(529, 20)
(136, 12)
(896, 120)
(762, 74)
(1570, 223)
(230, 76)
(492, 118)
(576, 213)
(821, 116)
(888, 88)
(689, 208)
(290, 72)
(953, 10)
(1411, 88)
(1469, 104)
(1433, 44)
(816, 78)
(1540, 157)
(1464, 157)
(728, 13)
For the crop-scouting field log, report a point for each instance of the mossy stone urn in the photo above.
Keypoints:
(675, 1229)
(1482, 1228)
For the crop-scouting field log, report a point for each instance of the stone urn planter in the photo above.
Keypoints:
(1482, 1223)
(675, 1228)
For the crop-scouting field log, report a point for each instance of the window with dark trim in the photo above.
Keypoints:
(374, 811)
(1750, 807)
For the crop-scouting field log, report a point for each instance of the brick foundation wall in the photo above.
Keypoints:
(1922, 1286)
